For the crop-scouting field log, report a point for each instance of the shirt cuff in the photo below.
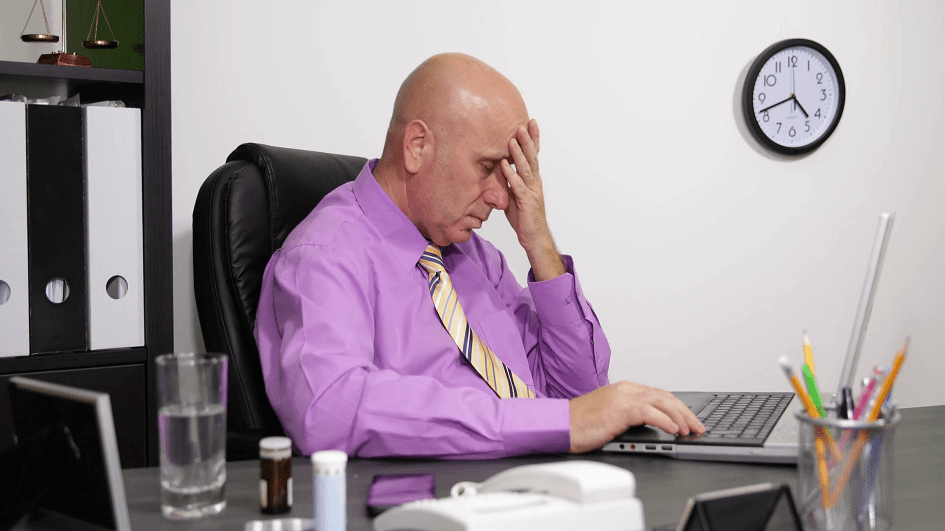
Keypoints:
(536, 425)
(556, 300)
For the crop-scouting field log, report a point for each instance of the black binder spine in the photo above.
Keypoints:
(57, 228)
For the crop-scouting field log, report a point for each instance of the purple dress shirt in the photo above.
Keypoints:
(355, 357)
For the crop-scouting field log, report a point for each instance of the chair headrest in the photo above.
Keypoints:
(296, 181)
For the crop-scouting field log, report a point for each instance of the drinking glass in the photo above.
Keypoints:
(192, 430)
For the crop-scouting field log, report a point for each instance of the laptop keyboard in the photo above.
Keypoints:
(742, 418)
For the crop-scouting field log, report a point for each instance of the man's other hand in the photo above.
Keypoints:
(526, 209)
(604, 413)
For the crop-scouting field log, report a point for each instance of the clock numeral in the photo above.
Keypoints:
(792, 61)
(817, 114)
(823, 93)
(820, 78)
(779, 127)
(770, 80)
(807, 126)
(764, 116)
(761, 97)
(777, 67)
(791, 132)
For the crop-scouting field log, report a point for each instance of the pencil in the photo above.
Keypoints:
(809, 354)
(820, 433)
(864, 434)
(809, 406)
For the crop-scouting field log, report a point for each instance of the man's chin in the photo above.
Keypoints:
(462, 236)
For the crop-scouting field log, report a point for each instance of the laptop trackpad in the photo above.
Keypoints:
(643, 433)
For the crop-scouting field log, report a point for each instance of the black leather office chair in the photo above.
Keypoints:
(244, 211)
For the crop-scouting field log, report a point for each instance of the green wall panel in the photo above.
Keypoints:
(127, 21)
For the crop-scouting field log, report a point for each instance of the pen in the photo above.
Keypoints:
(808, 353)
(864, 435)
(864, 399)
(812, 389)
(846, 403)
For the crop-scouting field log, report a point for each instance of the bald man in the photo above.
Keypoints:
(355, 353)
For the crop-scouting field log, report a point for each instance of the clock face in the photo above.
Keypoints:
(793, 96)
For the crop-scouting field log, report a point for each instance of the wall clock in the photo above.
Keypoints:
(793, 96)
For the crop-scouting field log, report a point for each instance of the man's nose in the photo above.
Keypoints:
(497, 195)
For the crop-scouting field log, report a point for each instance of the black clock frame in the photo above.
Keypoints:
(748, 96)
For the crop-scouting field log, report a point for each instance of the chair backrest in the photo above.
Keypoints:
(243, 213)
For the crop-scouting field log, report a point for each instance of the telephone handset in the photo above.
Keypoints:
(565, 495)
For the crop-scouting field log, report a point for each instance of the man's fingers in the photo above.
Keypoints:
(522, 166)
(528, 148)
(516, 183)
(681, 415)
(534, 134)
(655, 417)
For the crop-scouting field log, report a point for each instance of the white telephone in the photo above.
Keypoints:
(563, 496)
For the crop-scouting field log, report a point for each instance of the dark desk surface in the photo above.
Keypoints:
(663, 484)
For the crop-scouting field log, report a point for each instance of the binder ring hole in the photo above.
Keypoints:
(4, 292)
(116, 287)
(57, 290)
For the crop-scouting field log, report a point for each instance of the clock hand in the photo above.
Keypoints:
(792, 81)
(778, 103)
(801, 106)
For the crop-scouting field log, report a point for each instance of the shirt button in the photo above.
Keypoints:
(568, 300)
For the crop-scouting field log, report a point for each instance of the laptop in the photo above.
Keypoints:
(756, 427)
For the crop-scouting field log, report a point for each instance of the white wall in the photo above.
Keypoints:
(705, 258)
(13, 21)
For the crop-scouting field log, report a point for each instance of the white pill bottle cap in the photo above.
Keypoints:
(329, 462)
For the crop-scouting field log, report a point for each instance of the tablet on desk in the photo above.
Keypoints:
(92, 489)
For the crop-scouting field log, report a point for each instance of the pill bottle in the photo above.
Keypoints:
(329, 487)
(275, 475)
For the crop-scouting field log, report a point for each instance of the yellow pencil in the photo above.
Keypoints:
(821, 434)
(809, 354)
(809, 405)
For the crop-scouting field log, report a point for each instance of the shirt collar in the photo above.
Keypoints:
(399, 233)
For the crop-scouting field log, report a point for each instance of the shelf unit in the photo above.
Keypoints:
(127, 373)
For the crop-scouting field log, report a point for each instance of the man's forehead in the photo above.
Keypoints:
(500, 142)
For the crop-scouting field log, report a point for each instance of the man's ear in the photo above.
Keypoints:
(418, 145)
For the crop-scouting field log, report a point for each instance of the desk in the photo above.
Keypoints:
(663, 484)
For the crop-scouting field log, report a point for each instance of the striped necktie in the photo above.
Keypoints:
(499, 377)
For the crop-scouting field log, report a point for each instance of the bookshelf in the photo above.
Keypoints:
(127, 374)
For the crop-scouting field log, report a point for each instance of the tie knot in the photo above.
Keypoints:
(432, 259)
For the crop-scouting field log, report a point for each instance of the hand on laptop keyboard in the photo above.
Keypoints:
(599, 416)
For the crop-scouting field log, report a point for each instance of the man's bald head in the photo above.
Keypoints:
(453, 123)
(449, 92)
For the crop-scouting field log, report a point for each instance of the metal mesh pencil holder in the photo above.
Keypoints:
(845, 472)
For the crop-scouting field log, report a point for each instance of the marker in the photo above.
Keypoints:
(814, 392)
